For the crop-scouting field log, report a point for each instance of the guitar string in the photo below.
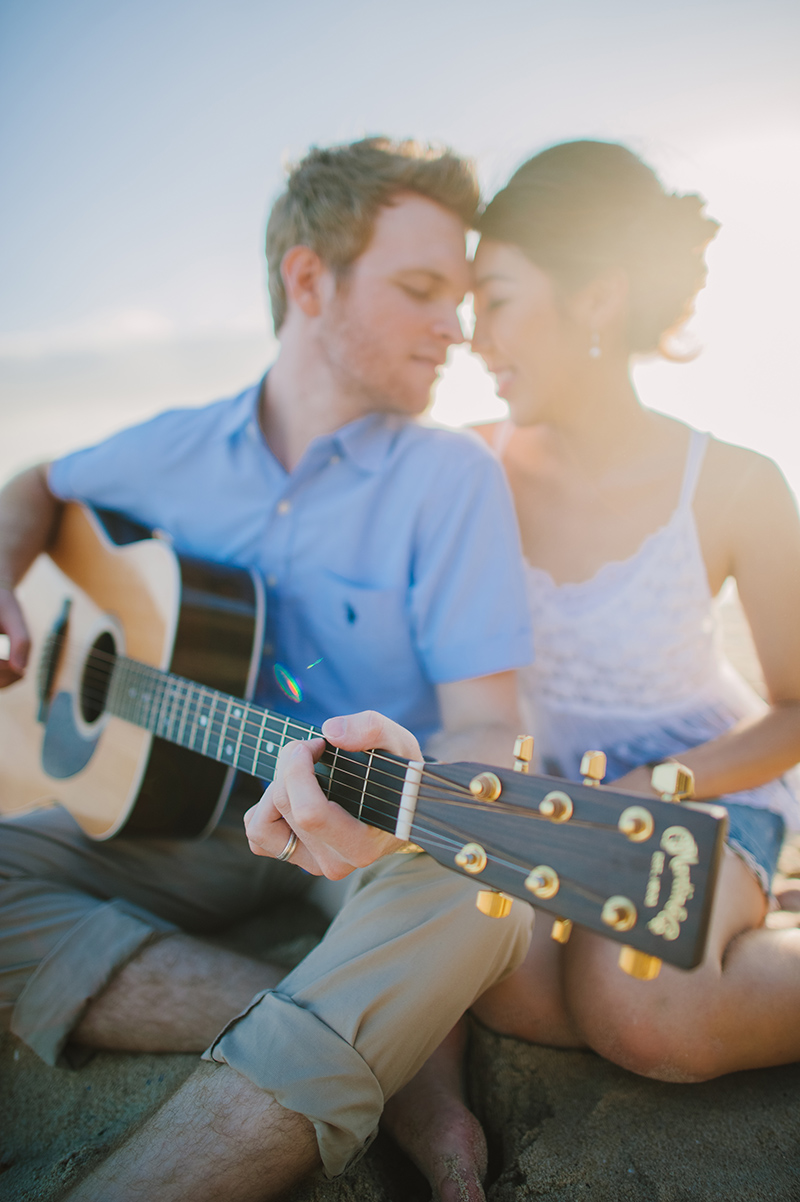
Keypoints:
(438, 839)
(181, 688)
(181, 692)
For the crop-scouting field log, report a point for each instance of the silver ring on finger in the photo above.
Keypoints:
(290, 848)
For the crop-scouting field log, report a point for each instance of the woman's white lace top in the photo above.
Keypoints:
(630, 661)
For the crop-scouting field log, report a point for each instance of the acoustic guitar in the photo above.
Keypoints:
(136, 712)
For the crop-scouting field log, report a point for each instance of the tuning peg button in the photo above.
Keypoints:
(561, 930)
(639, 964)
(674, 781)
(523, 753)
(593, 767)
(494, 904)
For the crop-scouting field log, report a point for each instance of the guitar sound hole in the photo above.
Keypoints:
(97, 677)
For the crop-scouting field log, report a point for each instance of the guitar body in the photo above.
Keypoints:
(109, 588)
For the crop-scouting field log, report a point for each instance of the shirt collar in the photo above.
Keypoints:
(243, 409)
(366, 441)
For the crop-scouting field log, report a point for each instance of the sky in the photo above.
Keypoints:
(143, 142)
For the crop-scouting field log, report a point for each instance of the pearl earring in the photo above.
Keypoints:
(594, 349)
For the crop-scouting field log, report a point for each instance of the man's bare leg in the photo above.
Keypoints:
(174, 996)
(218, 1137)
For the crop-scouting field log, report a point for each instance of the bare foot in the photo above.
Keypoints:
(787, 891)
(444, 1140)
(431, 1122)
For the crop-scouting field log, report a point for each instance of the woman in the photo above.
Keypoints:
(630, 523)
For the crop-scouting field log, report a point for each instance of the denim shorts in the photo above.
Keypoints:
(756, 835)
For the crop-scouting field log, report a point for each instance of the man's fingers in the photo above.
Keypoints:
(12, 624)
(361, 732)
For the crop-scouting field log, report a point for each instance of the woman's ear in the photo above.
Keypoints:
(603, 302)
(302, 272)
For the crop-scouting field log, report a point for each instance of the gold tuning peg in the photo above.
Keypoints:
(674, 781)
(639, 964)
(593, 767)
(523, 753)
(561, 930)
(494, 904)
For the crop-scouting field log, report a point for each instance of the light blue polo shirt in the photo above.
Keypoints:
(390, 553)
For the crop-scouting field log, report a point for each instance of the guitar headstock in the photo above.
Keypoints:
(638, 871)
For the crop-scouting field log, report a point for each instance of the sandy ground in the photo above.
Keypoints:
(563, 1126)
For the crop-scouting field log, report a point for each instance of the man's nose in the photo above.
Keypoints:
(448, 327)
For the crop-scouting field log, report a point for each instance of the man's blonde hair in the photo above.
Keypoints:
(333, 195)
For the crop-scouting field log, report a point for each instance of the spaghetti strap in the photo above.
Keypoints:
(698, 442)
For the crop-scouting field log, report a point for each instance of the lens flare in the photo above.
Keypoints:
(287, 683)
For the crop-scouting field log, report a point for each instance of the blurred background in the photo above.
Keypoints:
(143, 142)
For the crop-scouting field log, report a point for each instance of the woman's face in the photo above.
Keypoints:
(524, 335)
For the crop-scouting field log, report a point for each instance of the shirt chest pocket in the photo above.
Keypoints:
(344, 618)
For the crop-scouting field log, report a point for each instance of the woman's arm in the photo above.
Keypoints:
(753, 534)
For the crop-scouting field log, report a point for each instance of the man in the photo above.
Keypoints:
(390, 556)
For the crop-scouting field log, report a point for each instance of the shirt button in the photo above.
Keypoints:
(272, 581)
(284, 507)
(335, 458)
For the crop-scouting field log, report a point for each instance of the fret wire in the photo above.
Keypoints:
(242, 720)
(214, 697)
(366, 778)
(333, 770)
(198, 709)
(223, 730)
(260, 737)
(185, 705)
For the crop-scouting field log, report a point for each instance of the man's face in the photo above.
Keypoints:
(387, 325)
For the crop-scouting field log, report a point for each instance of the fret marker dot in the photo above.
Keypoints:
(270, 748)
(131, 692)
(145, 696)
(237, 713)
(204, 721)
(229, 748)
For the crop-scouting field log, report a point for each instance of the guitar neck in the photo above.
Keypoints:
(248, 738)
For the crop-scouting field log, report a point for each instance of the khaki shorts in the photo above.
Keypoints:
(406, 956)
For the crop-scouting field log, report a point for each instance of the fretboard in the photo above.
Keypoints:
(248, 737)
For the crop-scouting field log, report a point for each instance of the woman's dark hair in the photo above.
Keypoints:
(580, 208)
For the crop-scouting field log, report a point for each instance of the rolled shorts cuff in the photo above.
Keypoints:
(309, 1069)
(77, 969)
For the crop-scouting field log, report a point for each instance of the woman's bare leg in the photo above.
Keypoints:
(737, 1010)
(430, 1119)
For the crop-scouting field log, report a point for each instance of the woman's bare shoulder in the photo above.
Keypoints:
(737, 471)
